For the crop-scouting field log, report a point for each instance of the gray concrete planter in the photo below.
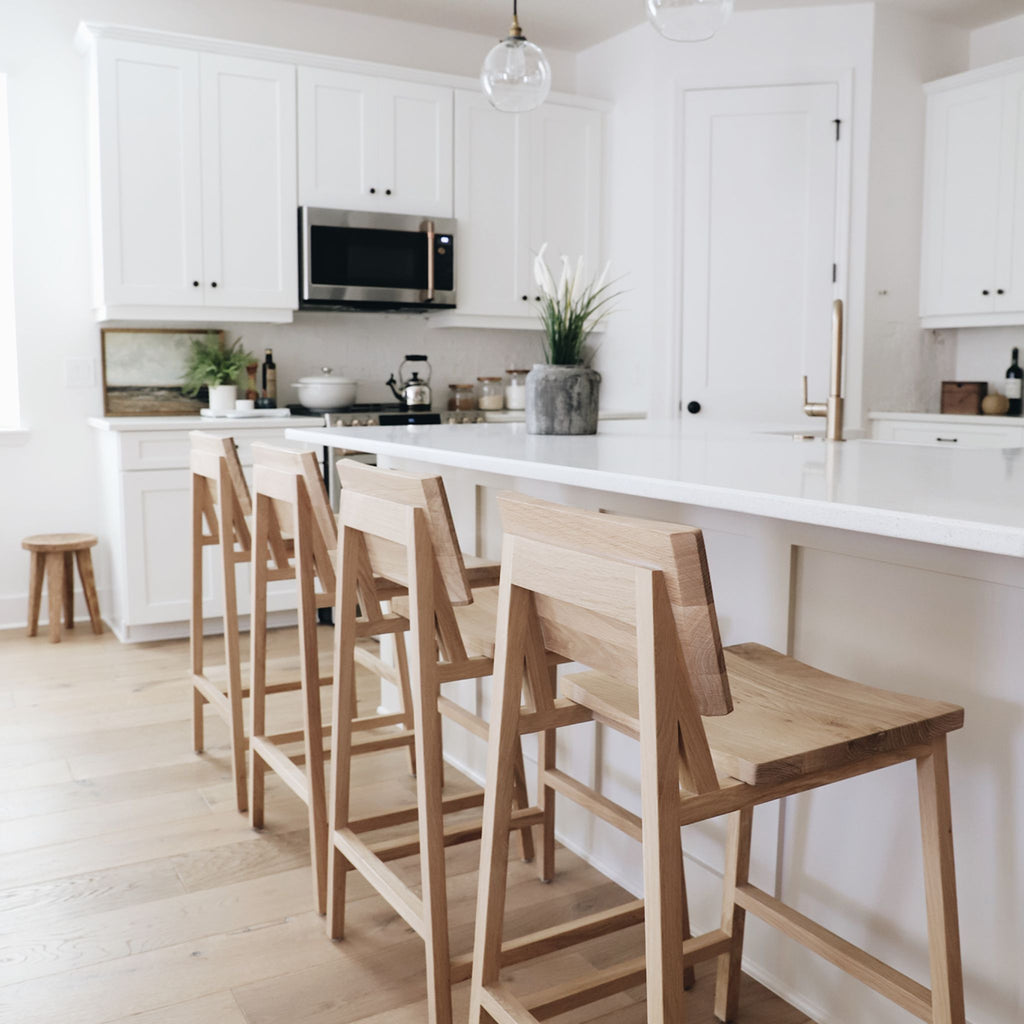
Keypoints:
(562, 399)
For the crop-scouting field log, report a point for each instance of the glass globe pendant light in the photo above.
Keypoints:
(689, 21)
(516, 75)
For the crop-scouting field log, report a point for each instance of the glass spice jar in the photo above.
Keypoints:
(515, 389)
(461, 397)
(489, 393)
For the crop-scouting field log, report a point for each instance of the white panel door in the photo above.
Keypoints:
(565, 175)
(337, 114)
(249, 183)
(415, 149)
(150, 192)
(964, 142)
(1010, 256)
(759, 213)
(490, 207)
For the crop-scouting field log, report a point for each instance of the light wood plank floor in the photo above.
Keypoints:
(132, 890)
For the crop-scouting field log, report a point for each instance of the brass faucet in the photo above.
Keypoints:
(833, 408)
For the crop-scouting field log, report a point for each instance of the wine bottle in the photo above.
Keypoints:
(270, 378)
(1014, 386)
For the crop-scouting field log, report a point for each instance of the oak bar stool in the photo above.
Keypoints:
(632, 600)
(396, 534)
(51, 556)
(221, 507)
(295, 535)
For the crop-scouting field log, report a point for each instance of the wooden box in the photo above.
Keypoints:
(963, 396)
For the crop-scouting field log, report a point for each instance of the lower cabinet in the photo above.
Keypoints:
(146, 486)
(953, 431)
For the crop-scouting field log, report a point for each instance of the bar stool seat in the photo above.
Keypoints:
(52, 555)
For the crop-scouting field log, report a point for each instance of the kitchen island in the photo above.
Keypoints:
(896, 565)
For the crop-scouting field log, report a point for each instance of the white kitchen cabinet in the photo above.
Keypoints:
(376, 144)
(954, 431)
(520, 181)
(194, 184)
(145, 482)
(972, 265)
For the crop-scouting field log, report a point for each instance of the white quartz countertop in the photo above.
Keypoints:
(970, 498)
(229, 423)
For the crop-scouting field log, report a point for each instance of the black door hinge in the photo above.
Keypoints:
(835, 273)
(838, 125)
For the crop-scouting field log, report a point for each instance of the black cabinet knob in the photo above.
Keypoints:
(693, 407)
(985, 291)
(526, 298)
(195, 284)
(373, 191)
(213, 284)
(1000, 291)
(387, 191)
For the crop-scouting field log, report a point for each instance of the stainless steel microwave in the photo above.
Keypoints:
(349, 259)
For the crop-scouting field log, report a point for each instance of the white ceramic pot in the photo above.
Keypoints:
(222, 397)
(325, 391)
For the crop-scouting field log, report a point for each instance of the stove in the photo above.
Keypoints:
(384, 414)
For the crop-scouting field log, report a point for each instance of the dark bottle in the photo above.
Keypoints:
(270, 379)
(1014, 385)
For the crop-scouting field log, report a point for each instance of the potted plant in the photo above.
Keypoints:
(562, 392)
(217, 366)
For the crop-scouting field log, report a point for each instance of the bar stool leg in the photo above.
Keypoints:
(258, 659)
(69, 590)
(513, 608)
(37, 570)
(85, 573)
(231, 658)
(940, 886)
(55, 592)
(737, 871)
(196, 619)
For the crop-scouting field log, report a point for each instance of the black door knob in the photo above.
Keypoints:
(693, 407)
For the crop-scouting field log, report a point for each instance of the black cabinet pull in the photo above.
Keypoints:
(985, 291)
(947, 440)
(526, 298)
(387, 191)
(693, 407)
(373, 191)
(213, 284)
(195, 284)
(1000, 291)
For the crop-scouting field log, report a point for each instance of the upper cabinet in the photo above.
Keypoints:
(375, 144)
(195, 185)
(520, 180)
(973, 239)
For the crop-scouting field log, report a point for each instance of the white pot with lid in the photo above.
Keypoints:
(325, 391)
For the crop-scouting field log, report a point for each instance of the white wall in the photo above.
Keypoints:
(903, 365)
(645, 74)
(1001, 41)
(55, 468)
(9, 412)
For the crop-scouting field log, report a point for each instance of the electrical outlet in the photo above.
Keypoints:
(79, 372)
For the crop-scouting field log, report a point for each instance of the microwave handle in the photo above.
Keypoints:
(428, 227)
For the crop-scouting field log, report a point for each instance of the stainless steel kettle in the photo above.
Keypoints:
(412, 390)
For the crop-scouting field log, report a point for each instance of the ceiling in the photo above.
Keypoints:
(576, 24)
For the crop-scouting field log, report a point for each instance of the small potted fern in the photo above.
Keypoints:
(217, 366)
(562, 393)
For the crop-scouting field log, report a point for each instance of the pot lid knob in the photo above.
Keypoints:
(326, 369)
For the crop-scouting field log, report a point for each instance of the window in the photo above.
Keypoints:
(9, 418)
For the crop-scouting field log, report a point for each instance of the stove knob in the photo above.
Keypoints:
(356, 423)
(481, 419)
(451, 419)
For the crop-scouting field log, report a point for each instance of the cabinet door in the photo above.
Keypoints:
(415, 149)
(249, 191)
(337, 114)
(149, 230)
(1010, 256)
(565, 188)
(491, 200)
(963, 146)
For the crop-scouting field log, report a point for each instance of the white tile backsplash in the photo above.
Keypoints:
(368, 347)
(983, 353)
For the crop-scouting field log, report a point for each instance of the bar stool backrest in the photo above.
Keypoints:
(426, 492)
(218, 478)
(590, 622)
(285, 480)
